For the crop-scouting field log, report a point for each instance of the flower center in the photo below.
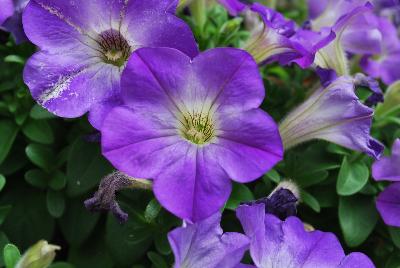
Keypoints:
(197, 128)
(114, 48)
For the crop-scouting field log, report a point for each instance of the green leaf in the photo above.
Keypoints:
(3, 241)
(152, 210)
(357, 218)
(11, 255)
(352, 177)
(4, 210)
(55, 203)
(393, 261)
(273, 175)
(127, 243)
(41, 156)
(311, 201)
(395, 235)
(162, 244)
(312, 178)
(157, 260)
(58, 181)
(8, 132)
(240, 193)
(77, 223)
(37, 112)
(14, 59)
(85, 168)
(2, 182)
(37, 178)
(38, 131)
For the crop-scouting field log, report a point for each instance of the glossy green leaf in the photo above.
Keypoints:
(37, 178)
(357, 217)
(58, 181)
(311, 201)
(37, 112)
(2, 182)
(3, 241)
(352, 177)
(157, 260)
(11, 255)
(38, 131)
(41, 155)
(152, 210)
(85, 168)
(55, 203)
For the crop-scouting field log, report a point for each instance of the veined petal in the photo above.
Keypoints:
(286, 244)
(388, 204)
(388, 167)
(204, 244)
(334, 114)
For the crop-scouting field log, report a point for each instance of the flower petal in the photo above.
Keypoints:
(7, 9)
(248, 145)
(194, 186)
(204, 245)
(234, 7)
(388, 204)
(388, 168)
(356, 260)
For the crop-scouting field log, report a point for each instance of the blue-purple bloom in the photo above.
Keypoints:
(286, 244)
(384, 64)
(388, 202)
(333, 113)
(192, 125)
(282, 40)
(355, 27)
(234, 7)
(11, 18)
(85, 45)
(204, 245)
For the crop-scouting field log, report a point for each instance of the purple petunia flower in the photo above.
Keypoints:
(192, 125)
(11, 18)
(388, 202)
(286, 244)
(85, 45)
(204, 244)
(384, 65)
(355, 27)
(281, 40)
(335, 114)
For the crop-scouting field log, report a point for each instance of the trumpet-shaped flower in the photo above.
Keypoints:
(281, 40)
(204, 244)
(11, 18)
(85, 45)
(192, 125)
(286, 244)
(388, 202)
(333, 113)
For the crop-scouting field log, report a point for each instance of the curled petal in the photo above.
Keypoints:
(234, 7)
(335, 114)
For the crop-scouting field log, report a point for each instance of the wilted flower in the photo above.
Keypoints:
(204, 244)
(85, 45)
(333, 113)
(40, 255)
(192, 125)
(281, 40)
(384, 64)
(105, 197)
(286, 244)
(388, 202)
(11, 18)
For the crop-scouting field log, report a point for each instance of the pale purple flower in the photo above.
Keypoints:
(356, 30)
(204, 245)
(286, 244)
(388, 202)
(85, 45)
(333, 113)
(192, 125)
(279, 39)
(11, 18)
(384, 64)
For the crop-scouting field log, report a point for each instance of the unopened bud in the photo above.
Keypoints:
(40, 255)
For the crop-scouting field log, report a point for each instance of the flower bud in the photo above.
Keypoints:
(40, 255)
